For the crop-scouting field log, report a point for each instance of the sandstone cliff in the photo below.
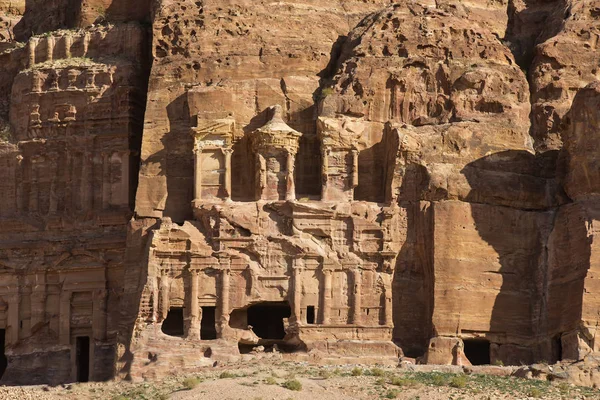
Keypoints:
(352, 179)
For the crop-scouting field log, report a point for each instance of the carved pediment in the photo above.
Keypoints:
(78, 259)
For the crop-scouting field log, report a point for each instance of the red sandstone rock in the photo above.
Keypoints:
(349, 180)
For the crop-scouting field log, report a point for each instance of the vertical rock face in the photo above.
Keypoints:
(352, 179)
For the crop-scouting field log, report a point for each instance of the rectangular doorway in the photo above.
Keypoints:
(82, 358)
(208, 330)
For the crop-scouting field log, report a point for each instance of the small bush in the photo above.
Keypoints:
(458, 381)
(535, 393)
(377, 372)
(226, 375)
(326, 92)
(192, 382)
(405, 382)
(499, 363)
(270, 381)
(325, 374)
(438, 380)
(292, 385)
(391, 394)
(356, 371)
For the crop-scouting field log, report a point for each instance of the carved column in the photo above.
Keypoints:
(354, 168)
(224, 301)
(324, 171)
(388, 310)
(49, 48)
(164, 293)
(68, 42)
(197, 173)
(64, 325)
(297, 293)
(194, 328)
(86, 44)
(13, 319)
(261, 165)
(53, 198)
(31, 50)
(38, 302)
(356, 298)
(124, 191)
(228, 153)
(99, 314)
(105, 180)
(327, 278)
(33, 186)
(291, 189)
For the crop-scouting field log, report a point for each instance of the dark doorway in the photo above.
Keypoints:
(477, 351)
(267, 319)
(173, 324)
(82, 358)
(310, 314)
(208, 331)
(3, 360)
(558, 347)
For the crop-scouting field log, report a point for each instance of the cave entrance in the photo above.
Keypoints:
(173, 324)
(3, 360)
(208, 330)
(82, 358)
(267, 319)
(477, 351)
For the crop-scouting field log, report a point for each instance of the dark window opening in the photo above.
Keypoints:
(266, 319)
(310, 314)
(82, 358)
(208, 330)
(477, 351)
(3, 360)
(173, 324)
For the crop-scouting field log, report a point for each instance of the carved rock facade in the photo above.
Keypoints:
(377, 183)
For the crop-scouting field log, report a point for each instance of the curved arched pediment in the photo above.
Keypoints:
(78, 259)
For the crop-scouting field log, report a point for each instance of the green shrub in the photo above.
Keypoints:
(326, 92)
(406, 382)
(499, 363)
(377, 372)
(391, 394)
(356, 371)
(325, 374)
(191, 382)
(458, 381)
(270, 381)
(535, 393)
(438, 380)
(226, 375)
(292, 385)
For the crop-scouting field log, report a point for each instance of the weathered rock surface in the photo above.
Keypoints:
(350, 179)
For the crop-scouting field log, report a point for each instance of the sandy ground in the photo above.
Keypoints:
(267, 380)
